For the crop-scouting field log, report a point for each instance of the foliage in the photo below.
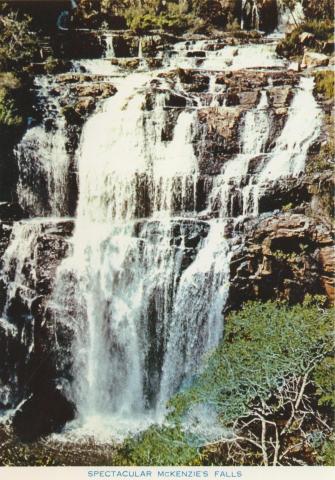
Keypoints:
(324, 84)
(264, 343)
(159, 446)
(324, 378)
(55, 65)
(320, 9)
(18, 45)
(326, 456)
(290, 45)
(9, 112)
(324, 159)
(269, 382)
(265, 381)
(170, 15)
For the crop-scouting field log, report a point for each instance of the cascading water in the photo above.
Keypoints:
(289, 16)
(128, 283)
(253, 137)
(109, 46)
(289, 154)
(43, 162)
(147, 279)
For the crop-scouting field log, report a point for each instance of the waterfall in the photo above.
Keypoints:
(228, 58)
(289, 154)
(18, 273)
(253, 137)
(197, 323)
(127, 269)
(109, 46)
(288, 17)
(143, 289)
(43, 161)
(140, 48)
(249, 14)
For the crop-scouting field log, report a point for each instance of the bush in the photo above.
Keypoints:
(18, 45)
(55, 65)
(9, 111)
(263, 343)
(159, 446)
(173, 18)
(319, 9)
(291, 46)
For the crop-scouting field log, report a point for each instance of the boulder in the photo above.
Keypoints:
(307, 39)
(43, 413)
(314, 59)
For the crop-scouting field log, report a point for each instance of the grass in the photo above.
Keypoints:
(324, 84)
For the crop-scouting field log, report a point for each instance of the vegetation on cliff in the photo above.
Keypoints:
(319, 16)
(270, 385)
(170, 15)
(18, 47)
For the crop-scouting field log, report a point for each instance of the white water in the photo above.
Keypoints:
(287, 18)
(289, 154)
(124, 282)
(253, 137)
(43, 162)
(228, 58)
(109, 50)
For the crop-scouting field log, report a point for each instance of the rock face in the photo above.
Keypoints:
(284, 256)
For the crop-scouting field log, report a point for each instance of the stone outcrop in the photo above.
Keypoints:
(284, 256)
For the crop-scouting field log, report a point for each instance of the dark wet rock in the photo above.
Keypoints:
(267, 11)
(45, 412)
(28, 333)
(75, 44)
(315, 191)
(193, 82)
(280, 96)
(10, 212)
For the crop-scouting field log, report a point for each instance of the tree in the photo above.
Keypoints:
(268, 384)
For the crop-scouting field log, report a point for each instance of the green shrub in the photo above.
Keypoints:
(159, 446)
(264, 342)
(55, 65)
(319, 9)
(9, 112)
(270, 353)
